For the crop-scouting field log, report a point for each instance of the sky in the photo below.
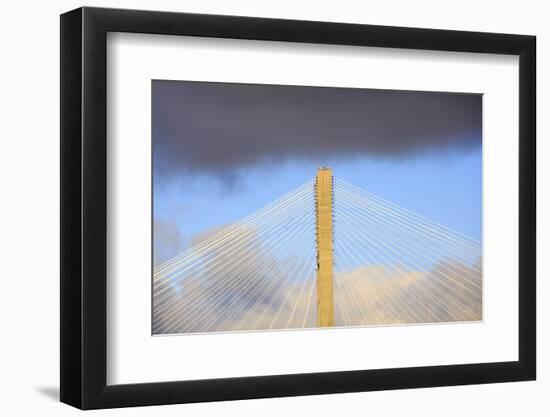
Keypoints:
(222, 151)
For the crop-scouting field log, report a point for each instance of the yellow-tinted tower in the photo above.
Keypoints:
(325, 290)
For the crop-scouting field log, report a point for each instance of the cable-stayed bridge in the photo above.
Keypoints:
(326, 254)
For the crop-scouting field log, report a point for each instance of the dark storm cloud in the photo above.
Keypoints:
(217, 128)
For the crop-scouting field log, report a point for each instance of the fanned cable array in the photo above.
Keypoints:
(393, 266)
(256, 274)
(390, 266)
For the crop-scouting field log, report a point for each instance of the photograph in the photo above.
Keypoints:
(260, 204)
(286, 207)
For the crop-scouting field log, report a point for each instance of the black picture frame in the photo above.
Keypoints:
(84, 207)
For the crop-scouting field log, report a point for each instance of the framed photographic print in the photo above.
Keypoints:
(258, 207)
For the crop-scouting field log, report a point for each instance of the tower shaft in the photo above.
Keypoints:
(325, 290)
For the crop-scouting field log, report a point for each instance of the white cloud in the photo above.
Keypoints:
(243, 299)
(168, 241)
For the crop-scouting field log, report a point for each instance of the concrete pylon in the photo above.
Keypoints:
(325, 257)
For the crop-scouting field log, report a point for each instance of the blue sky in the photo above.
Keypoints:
(445, 188)
(223, 151)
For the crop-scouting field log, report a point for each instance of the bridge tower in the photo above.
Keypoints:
(325, 257)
